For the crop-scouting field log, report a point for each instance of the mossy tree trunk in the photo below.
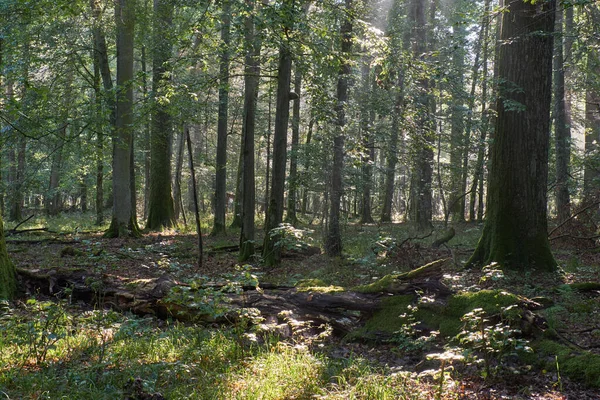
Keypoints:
(367, 116)
(8, 280)
(515, 231)
(591, 174)
(161, 212)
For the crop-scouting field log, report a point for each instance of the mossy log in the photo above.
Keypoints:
(445, 238)
(343, 309)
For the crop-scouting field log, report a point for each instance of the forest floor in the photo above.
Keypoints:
(58, 348)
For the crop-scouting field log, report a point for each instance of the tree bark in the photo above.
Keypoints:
(591, 174)
(421, 196)
(161, 212)
(515, 232)
(562, 129)
(333, 240)
(123, 214)
(177, 198)
(368, 149)
(291, 216)
(251, 83)
(274, 217)
(221, 162)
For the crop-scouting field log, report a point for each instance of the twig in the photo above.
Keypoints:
(573, 216)
(21, 223)
(415, 238)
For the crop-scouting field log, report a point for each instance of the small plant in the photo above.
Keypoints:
(486, 343)
(446, 358)
(408, 337)
(491, 274)
(40, 334)
(290, 238)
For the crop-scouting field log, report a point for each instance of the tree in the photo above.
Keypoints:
(562, 129)
(251, 82)
(124, 217)
(291, 216)
(333, 240)
(161, 212)
(221, 164)
(421, 197)
(8, 279)
(274, 217)
(515, 231)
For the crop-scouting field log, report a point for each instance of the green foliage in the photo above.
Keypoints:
(493, 344)
(287, 237)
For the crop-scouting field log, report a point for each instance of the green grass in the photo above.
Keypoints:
(99, 354)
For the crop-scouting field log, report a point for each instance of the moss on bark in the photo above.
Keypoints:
(8, 280)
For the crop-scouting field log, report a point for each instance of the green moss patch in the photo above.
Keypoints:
(387, 320)
(581, 366)
(378, 286)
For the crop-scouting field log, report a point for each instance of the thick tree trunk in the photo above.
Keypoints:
(333, 240)
(221, 162)
(8, 279)
(391, 155)
(123, 215)
(251, 83)
(161, 213)
(147, 135)
(291, 216)
(562, 129)
(515, 232)
(274, 217)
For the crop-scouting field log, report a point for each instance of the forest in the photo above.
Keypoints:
(300, 199)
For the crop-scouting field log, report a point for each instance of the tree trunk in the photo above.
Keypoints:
(333, 239)
(478, 172)
(591, 174)
(251, 83)
(147, 135)
(221, 162)
(8, 279)
(515, 232)
(274, 217)
(562, 129)
(306, 168)
(161, 213)
(195, 196)
(53, 198)
(291, 216)
(458, 132)
(421, 196)
(124, 218)
(177, 200)
(368, 149)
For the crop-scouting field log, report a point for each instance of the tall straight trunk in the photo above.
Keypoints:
(177, 201)
(237, 201)
(478, 172)
(291, 216)
(333, 239)
(591, 173)
(101, 58)
(306, 167)
(562, 129)
(421, 197)
(17, 201)
(161, 213)
(53, 198)
(221, 162)
(251, 82)
(515, 232)
(195, 196)
(274, 217)
(366, 115)
(98, 127)
(147, 134)
(268, 162)
(123, 221)
(458, 132)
